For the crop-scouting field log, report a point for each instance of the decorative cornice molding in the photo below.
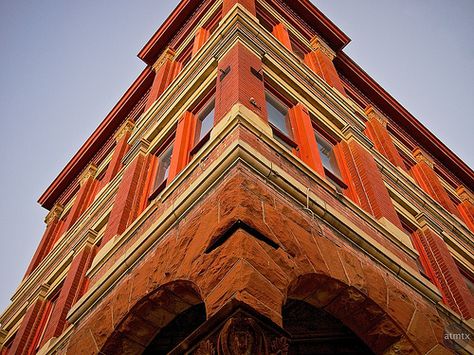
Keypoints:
(465, 195)
(168, 55)
(421, 156)
(88, 172)
(126, 127)
(374, 114)
(54, 214)
(318, 44)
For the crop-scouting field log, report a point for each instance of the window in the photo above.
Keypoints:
(205, 120)
(328, 159)
(164, 154)
(277, 112)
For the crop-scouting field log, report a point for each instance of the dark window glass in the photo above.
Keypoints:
(206, 120)
(278, 114)
(164, 162)
(328, 157)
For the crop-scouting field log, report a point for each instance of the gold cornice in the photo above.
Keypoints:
(88, 172)
(127, 127)
(54, 214)
(374, 114)
(168, 55)
(421, 156)
(465, 195)
(318, 44)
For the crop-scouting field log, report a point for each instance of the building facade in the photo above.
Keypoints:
(253, 192)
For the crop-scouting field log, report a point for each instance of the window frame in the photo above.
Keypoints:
(163, 148)
(197, 109)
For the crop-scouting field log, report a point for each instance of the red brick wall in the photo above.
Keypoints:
(281, 33)
(163, 78)
(121, 148)
(323, 66)
(229, 4)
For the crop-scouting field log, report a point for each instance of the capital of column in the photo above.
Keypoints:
(88, 172)
(54, 214)
(168, 54)
(421, 156)
(465, 195)
(126, 127)
(319, 44)
(374, 114)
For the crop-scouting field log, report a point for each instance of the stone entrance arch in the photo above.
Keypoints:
(151, 315)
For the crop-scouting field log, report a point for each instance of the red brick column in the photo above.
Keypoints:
(129, 202)
(364, 180)
(426, 177)
(121, 148)
(376, 130)
(29, 326)
(240, 79)
(84, 197)
(281, 33)
(166, 69)
(320, 60)
(184, 142)
(202, 35)
(72, 286)
(453, 287)
(53, 226)
(466, 207)
(248, 4)
(304, 136)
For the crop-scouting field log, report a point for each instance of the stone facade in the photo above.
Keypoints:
(252, 194)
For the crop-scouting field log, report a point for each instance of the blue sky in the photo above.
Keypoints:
(64, 65)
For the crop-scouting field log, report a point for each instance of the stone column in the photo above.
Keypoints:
(166, 69)
(320, 60)
(376, 130)
(429, 181)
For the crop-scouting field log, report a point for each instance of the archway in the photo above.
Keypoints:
(345, 313)
(176, 307)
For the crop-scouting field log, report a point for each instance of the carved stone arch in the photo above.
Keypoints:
(366, 319)
(150, 315)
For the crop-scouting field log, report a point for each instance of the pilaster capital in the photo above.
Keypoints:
(374, 114)
(39, 294)
(126, 127)
(168, 54)
(465, 195)
(88, 172)
(421, 156)
(426, 222)
(318, 44)
(54, 214)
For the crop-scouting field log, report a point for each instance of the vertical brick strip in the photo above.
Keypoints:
(248, 4)
(281, 33)
(53, 227)
(365, 182)
(453, 287)
(376, 130)
(129, 200)
(241, 83)
(84, 198)
(202, 35)
(28, 328)
(184, 142)
(304, 136)
(71, 286)
(166, 69)
(431, 184)
(466, 210)
(320, 60)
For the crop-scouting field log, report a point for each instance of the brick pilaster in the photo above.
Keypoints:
(85, 196)
(129, 201)
(248, 4)
(53, 226)
(166, 69)
(200, 38)
(466, 207)
(121, 148)
(453, 287)
(240, 79)
(29, 326)
(376, 130)
(184, 142)
(281, 33)
(73, 284)
(364, 180)
(304, 136)
(320, 60)
(429, 181)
